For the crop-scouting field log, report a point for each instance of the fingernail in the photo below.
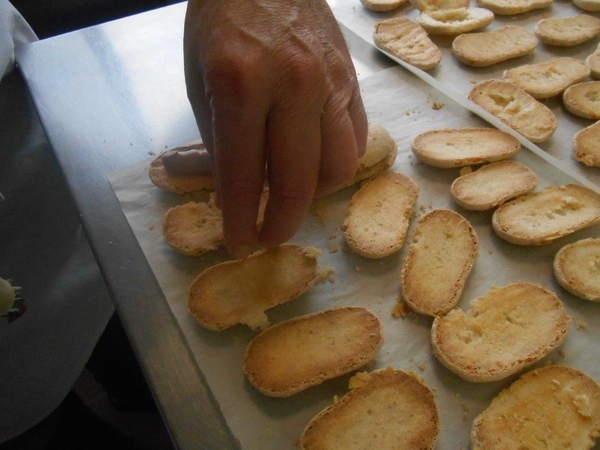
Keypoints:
(241, 252)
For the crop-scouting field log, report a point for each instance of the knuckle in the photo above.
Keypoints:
(230, 76)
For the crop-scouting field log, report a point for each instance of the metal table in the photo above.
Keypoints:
(109, 96)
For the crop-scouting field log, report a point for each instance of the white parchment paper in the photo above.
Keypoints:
(404, 104)
(460, 78)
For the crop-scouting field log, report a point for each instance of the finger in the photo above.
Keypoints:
(294, 141)
(339, 150)
(199, 102)
(239, 158)
(360, 123)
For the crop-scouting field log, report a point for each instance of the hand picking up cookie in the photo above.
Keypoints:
(187, 170)
(238, 292)
(505, 330)
(392, 410)
(577, 268)
(554, 407)
(407, 41)
(305, 351)
(438, 262)
(458, 147)
(542, 217)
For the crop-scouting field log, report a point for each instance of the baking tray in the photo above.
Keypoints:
(457, 79)
(406, 105)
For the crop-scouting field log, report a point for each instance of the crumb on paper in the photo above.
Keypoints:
(331, 278)
(151, 153)
(335, 399)
(421, 366)
(491, 251)
(327, 272)
(318, 209)
(581, 325)
(437, 106)
(400, 309)
(333, 247)
(466, 170)
(357, 269)
(473, 81)
(151, 227)
(465, 407)
(562, 352)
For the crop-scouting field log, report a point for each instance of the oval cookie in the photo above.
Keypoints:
(515, 107)
(379, 215)
(542, 217)
(305, 351)
(577, 268)
(458, 147)
(393, 409)
(557, 398)
(548, 79)
(438, 262)
(491, 47)
(238, 292)
(408, 41)
(505, 330)
(492, 185)
(178, 183)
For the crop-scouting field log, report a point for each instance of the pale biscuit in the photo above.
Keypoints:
(439, 5)
(451, 22)
(577, 268)
(554, 407)
(513, 7)
(504, 331)
(542, 217)
(392, 410)
(380, 155)
(515, 107)
(567, 31)
(583, 99)
(239, 292)
(593, 62)
(457, 147)
(588, 5)
(382, 5)
(438, 262)
(307, 350)
(492, 47)
(379, 215)
(550, 78)
(493, 184)
(195, 228)
(179, 183)
(408, 41)
(586, 145)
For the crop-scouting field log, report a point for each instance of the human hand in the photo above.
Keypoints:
(276, 99)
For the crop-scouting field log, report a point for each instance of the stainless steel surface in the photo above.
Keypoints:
(108, 97)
